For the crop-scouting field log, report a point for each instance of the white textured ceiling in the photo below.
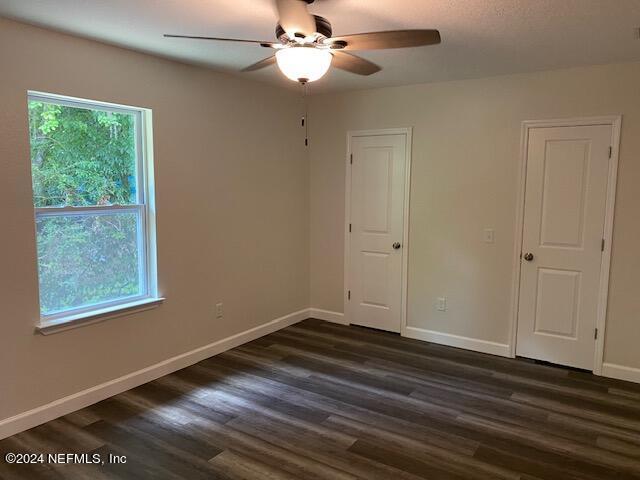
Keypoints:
(479, 37)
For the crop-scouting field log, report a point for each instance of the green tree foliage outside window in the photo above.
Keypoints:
(84, 157)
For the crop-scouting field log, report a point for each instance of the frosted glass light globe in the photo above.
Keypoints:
(303, 64)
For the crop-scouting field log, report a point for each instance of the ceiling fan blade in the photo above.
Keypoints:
(295, 18)
(391, 39)
(261, 64)
(196, 37)
(354, 64)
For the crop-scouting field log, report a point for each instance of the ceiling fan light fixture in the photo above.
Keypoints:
(303, 63)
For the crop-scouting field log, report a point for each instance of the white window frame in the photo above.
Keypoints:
(144, 208)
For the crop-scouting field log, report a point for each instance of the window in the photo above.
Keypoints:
(92, 192)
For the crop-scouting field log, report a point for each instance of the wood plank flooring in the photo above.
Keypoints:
(325, 401)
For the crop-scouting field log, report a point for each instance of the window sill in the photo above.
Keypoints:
(95, 316)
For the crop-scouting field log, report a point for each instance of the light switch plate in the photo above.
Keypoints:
(489, 235)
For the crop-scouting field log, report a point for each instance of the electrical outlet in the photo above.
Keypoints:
(441, 304)
(219, 310)
(489, 235)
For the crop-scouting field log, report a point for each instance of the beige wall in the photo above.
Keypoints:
(464, 178)
(232, 202)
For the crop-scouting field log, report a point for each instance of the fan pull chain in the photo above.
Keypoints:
(305, 122)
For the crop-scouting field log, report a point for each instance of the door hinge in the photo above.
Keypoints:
(349, 228)
(348, 294)
(610, 151)
(602, 246)
(351, 159)
(595, 336)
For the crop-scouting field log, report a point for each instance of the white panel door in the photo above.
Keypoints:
(377, 212)
(565, 201)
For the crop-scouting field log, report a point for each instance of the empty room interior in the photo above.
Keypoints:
(330, 239)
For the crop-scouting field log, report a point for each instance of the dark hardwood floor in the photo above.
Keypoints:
(324, 401)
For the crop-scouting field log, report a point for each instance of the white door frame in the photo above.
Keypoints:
(408, 131)
(615, 121)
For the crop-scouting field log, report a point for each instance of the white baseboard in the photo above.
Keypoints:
(451, 340)
(328, 315)
(630, 374)
(63, 406)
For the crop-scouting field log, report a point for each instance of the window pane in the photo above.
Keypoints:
(86, 259)
(82, 156)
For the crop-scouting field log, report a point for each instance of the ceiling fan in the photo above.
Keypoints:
(305, 48)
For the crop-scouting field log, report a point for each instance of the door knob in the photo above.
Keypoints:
(528, 256)
(396, 245)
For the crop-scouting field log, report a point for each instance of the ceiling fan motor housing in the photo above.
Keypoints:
(323, 27)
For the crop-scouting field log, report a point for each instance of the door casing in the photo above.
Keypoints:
(407, 131)
(615, 121)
